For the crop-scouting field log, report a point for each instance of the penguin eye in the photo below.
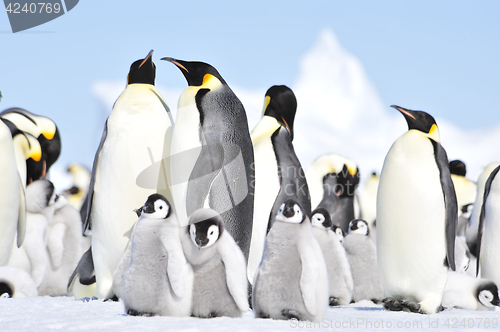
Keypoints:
(161, 207)
(212, 232)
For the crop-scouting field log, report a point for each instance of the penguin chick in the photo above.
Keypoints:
(340, 284)
(158, 279)
(291, 281)
(466, 292)
(362, 257)
(16, 283)
(32, 256)
(339, 232)
(220, 282)
(64, 243)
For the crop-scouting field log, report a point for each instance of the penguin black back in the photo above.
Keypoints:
(143, 71)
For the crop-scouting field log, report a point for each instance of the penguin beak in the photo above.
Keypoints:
(404, 111)
(138, 211)
(288, 212)
(287, 127)
(327, 223)
(150, 54)
(175, 62)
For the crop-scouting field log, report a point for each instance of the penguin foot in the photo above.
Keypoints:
(263, 315)
(392, 304)
(411, 306)
(133, 312)
(112, 299)
(334, 301)
(440, 308)
(290, 314)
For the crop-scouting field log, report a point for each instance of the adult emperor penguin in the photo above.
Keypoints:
(280, 106)
(157, 280)
(212, 153)
(43, 128)
(488, 248)
(220, 280)
(134, 138)
(466, 292)
(362, 256)
(472, 230)
(12, 198)
(340, 284)
(368, 200)
(465, 190)
(291, 281)
(416, 218)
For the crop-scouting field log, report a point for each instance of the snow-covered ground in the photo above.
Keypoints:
(67, 314)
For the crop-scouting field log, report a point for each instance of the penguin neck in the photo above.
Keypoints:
(265, 128)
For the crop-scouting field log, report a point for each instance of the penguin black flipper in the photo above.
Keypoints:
(293, 184)
(450, 201)
(487, 187)
(84, 270)
(90, 194)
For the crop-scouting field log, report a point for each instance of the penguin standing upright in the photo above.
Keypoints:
(220, 281)
(488, 248)
(465, 190)
(362, 256)
(280, 106)
(12, 199)
(135, 136)
(368, 201)
(416, 218)
(340, 284)
(212, 155)
(291, 282)
(157, 280)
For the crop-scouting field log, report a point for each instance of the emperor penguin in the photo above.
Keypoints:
(63, 245)
(346, 174)
(368, 201)
(465, 190)
(41, 127)
(136, 136)
(416, 218)
(472, 230)
(291, 282)
(158, 280)
(340, 284)
(466, 292)
(12, 197)
(80, 176)
(275, 161)
(488, 248)
(32, 256)
(362, 256)
(220, 280)
(16, 283)
(28, 153)
(211, 152)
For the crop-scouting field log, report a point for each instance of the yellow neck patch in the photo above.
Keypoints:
(267, 100)
(434, 133)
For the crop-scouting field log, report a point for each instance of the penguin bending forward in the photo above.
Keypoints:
(416, 218)
(291, 282)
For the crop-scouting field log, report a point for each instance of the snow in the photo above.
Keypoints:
(67, 314)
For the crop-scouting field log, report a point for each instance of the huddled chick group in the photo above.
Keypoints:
(232, 220)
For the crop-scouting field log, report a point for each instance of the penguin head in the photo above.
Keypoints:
(466, 210)
(290, 212)
(339, 231)
(347, 182)
(156, 206)
(457, 167)
(421, 121)
(359, 226)
(321, 218)
(205, 227)
(39, 195)
(6, 289)
(143, 71)
(487, 295)
(281, 104)
(199, 74)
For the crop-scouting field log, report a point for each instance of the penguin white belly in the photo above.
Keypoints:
(9, 194)
(267, 187)
(411, 241)
(185, 149)
(490, 247)
(122, 159)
